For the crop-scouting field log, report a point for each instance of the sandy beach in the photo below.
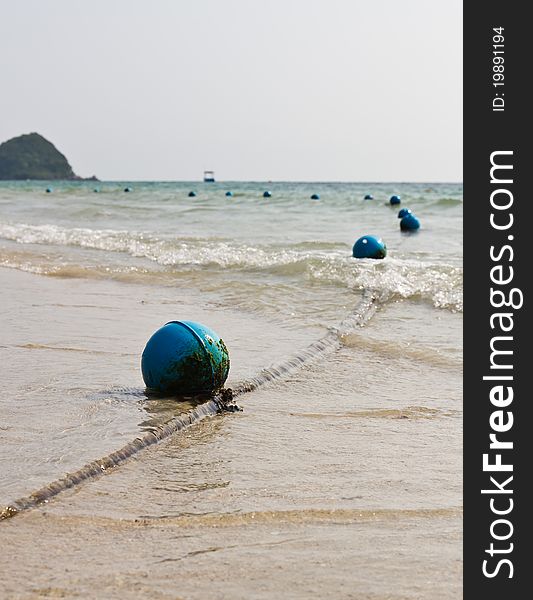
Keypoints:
(297, 496)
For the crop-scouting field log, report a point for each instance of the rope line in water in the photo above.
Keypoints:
(221, 402)
(331, 342)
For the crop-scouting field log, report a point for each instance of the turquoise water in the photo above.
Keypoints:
(246, 249)
(368, 436)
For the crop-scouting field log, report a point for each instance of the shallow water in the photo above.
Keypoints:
(343, 478)
(268, 255)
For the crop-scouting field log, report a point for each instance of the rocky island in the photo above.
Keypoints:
(31, 156)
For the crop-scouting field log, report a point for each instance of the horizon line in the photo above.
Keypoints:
(317, 181)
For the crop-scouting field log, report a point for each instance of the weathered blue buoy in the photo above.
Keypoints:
(409, 223)
(185, 358)
(192, 194)
(369, 246)
(267, 194)
(404, 212)
(315, 197)
(49, 190)
(395, 199)
(229, 194)
(127, 189)
(96, 190)
(369, 197)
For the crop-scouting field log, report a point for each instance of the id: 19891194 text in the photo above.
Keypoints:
(498, 68)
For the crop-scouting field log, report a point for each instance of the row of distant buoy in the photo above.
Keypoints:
(229, 194)
(409, 222)
(266, 194)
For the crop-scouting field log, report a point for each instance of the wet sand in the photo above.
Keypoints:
(300, 555)
(343, 479)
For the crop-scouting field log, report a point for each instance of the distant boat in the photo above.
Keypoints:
(209, 176)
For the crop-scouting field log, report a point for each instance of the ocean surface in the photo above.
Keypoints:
(342, 477)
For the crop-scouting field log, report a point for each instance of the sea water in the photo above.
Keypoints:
(342, 478)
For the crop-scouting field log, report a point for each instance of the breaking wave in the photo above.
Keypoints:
(309, 263)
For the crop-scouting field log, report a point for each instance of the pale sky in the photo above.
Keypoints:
(303, 90)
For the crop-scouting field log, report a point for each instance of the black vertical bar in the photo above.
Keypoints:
(497, 119)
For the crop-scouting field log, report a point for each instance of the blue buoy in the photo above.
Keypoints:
(404, 212)
(409, 223)
(192, 194)
(369, 246)
(49, 190)
(395, 199)
(369, 197)
(185, 358)
(315, 197)
(267, 194)
(96, 190)
(229, 194)
(127, 189)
